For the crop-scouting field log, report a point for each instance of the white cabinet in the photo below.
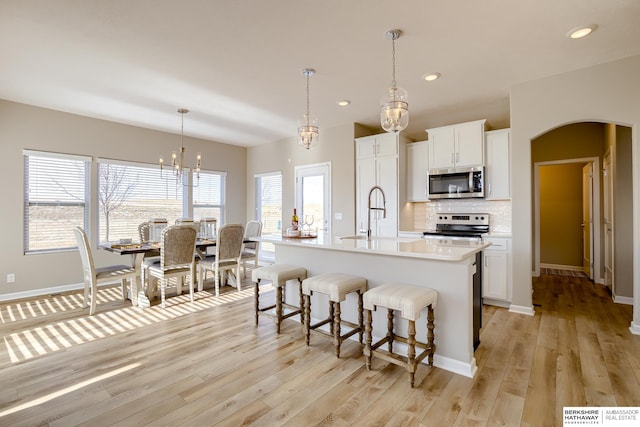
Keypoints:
(417, 170)
(496, 272)
(497, 164)
(456, 146)
(379, 158)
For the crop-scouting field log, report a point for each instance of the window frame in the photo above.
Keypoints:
(28, 201)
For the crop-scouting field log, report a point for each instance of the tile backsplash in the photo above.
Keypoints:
(425, 214)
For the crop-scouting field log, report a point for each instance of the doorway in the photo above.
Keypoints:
(565, 211)
(313, 197)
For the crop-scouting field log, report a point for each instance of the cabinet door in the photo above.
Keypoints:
(365, 179)
(386, 144)
(417, 169)
(494, 281)
(469, 144)
(387, 179)
(365, 147)
(441, 147)
(497, 179)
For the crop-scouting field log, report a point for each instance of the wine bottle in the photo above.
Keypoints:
(294, 220)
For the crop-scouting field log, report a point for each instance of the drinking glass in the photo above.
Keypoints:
(308, 221)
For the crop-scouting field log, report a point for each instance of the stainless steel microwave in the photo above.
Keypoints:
(459, 183)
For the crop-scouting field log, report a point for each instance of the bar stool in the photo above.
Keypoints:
(279, 274)
(336, 286)
(410, 300)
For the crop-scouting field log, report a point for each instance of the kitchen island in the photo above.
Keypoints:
(448, 266)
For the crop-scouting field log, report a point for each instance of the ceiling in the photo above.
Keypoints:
(237, 64)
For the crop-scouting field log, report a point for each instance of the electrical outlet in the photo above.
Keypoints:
(11, 278)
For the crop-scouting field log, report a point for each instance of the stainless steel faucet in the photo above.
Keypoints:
(369, 208)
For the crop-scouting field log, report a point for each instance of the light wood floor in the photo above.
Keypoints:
(207, 364)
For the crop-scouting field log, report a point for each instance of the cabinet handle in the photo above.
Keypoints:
(486, 261)
(457, 157)
(452, 158)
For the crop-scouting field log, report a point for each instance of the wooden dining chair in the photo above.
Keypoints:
(226, 258)
(250, 251)
(95, 276)
(177, 252)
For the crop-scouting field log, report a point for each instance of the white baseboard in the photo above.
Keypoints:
(635, 328)
(521, 309)
(40, 292)
(623, 300)
(563, 267)
(496, 302)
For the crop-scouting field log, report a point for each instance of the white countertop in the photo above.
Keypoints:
(443, 250)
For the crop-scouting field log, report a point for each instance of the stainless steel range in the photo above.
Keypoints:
(460, 226)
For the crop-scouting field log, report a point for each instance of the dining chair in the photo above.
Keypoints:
(177, 260)
(227, 256)
(251, 250)
(95, 276)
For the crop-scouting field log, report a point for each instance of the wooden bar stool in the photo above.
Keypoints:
(336, 286)
(279, 274)
(410, 300)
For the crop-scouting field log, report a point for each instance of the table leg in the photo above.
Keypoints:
(139, 296)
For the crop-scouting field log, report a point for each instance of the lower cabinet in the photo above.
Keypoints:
(496, 272)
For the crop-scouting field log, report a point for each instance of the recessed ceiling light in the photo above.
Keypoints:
(578, 33)
(343, 103)
(431, 76)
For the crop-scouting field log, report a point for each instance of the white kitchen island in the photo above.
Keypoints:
(446, 266)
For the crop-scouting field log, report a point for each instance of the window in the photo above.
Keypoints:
(55, 200)
(130, 193)
(269, 208)
(208, 196)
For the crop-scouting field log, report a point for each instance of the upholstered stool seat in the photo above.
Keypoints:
(279, 275)
(336, 286)
(409, 300)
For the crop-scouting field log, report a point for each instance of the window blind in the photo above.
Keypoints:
(130, 193)
(209, 196)
(55, 200)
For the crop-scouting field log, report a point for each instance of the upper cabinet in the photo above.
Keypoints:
(458, 145)
(497, 158)
(417, 171)
(376, 146)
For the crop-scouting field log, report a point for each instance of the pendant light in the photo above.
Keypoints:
(177, 161)
(394, 109)
(308, 126)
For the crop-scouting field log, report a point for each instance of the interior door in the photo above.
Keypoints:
(313, 196)
(608, 222)
(587, 222)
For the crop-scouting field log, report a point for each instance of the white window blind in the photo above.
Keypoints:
(55, 200)
(131, 193)
(269, 208)
(209, 196)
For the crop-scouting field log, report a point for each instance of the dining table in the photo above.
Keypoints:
(139, 294)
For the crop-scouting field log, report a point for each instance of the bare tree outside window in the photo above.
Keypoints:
(115, 188)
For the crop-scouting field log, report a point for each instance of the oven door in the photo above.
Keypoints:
(458, 184)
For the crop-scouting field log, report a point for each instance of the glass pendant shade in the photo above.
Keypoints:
(308, 131)
(394, 110)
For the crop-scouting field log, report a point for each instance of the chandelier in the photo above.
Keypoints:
(394, 109)
(308, 126)
(177, 161)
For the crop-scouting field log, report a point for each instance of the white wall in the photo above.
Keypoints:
(604, 93)
(27, 127)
